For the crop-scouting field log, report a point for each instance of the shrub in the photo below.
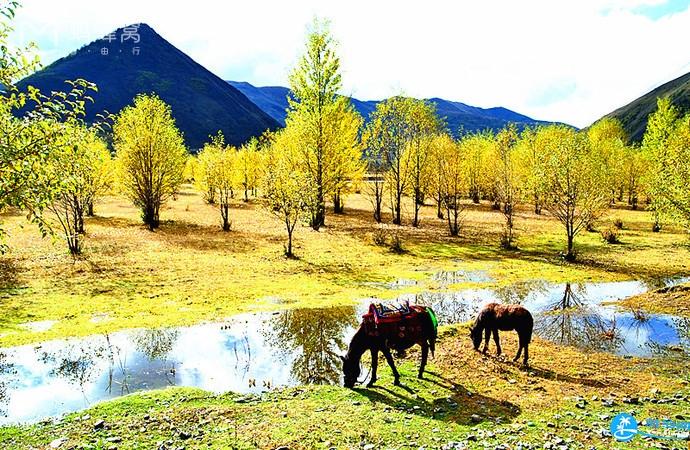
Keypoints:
(380, 236)
(610, 235)
(618, 223)
(396, 243)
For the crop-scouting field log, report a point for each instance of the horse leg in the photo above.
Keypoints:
(374, 366)
(425, 355)
(498, 343)
(487, 333)
(389, 358)
(524, 361)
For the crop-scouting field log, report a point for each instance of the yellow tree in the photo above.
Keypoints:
(509, 180)
(571, 177)
(423, 124)
(204, 173)
(151, 155)
(289, 190)
(655, 144)
(477, 148)
(221, 169)
(327, 123)
(452, 165)
(607, 137)
(27, 143)
(248, 162)
(84, 165)
(532, 151)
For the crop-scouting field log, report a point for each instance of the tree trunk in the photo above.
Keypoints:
(151, 216)
(338, 206)
(89, 209)
(397, 220)
(225, 214)
(570, 255)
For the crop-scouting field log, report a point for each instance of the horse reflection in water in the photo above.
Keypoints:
(570, 320)
(316, 336)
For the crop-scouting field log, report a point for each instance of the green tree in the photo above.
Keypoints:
(327, 123)
(28, 143)
(151, 155)
(572, 175)
(655, 147)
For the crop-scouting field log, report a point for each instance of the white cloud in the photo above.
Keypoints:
(554, 60)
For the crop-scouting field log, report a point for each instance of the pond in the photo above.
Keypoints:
(256, 352)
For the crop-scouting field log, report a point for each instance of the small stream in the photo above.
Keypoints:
(256, 352)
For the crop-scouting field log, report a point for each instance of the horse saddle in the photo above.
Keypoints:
(387, 313)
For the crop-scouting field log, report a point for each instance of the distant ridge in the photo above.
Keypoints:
(138, 60)
(459, 116)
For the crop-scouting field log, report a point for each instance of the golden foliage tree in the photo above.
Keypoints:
(151, 155)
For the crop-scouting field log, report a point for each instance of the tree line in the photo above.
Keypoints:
(402, 158)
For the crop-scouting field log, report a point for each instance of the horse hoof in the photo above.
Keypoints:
(420, 376)
(371, 384)
(397, 383)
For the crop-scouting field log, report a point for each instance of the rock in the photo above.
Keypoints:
(550, 425)
(114, 439)
(99, 425)
(475, 418)
(369, 447)
(184, 435)
(356, 403)
(471, 438)
(283, 447)
(57, 443)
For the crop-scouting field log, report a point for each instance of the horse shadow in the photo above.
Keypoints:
(455, 404)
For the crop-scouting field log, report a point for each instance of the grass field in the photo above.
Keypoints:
(189, 270)
(565, 400)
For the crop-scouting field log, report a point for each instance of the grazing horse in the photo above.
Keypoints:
(418, 326)
(496, 317)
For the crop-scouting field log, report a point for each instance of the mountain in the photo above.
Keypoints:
(459, 116)
(135, 59)
(633, 116)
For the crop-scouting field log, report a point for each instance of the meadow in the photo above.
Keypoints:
(189, 270)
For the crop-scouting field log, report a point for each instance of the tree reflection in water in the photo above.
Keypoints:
(519, 292)
(155, 343)
(76, 363)
(449, 308)
(316, 337)
(679, 350)
(6, 368)
(570, 320)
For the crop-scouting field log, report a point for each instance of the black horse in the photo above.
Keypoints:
(419, 326)
(496, 317)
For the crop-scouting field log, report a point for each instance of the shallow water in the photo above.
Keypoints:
(255, 352)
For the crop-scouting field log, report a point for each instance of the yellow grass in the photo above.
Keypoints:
(189, 270)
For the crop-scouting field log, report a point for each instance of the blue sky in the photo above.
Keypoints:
(550, 59)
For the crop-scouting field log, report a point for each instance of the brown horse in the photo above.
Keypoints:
(496, 317)
(419, 326)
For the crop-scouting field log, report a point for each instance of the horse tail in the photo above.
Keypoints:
(434, 329)
(529, 328)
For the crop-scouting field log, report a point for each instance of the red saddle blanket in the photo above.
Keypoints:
(387, 313)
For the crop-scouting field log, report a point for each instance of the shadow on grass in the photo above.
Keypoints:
(460, 406)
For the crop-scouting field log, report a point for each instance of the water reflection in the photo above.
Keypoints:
(253, 352)
(312, 339)
(572, 320)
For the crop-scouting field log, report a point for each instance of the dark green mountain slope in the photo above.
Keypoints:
(201, 102)
(634, 114)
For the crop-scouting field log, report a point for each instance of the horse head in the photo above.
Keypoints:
(351, 371)
(476, 336)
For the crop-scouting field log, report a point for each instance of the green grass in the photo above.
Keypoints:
(487, 400)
